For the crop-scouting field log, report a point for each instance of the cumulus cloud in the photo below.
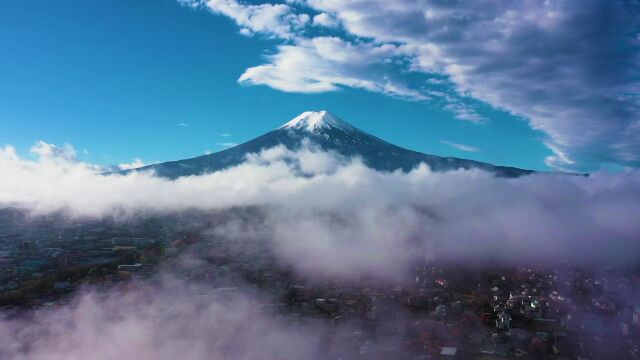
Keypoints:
(275, 20)
(462, 147)
(324, 19)
(46, 152)
(322, 209)
(547, 62)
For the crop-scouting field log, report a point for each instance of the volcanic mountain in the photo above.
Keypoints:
(329, 133)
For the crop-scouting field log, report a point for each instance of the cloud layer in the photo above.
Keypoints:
(571, 68)
(327, 214)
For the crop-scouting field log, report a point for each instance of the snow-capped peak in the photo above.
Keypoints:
(315, 120)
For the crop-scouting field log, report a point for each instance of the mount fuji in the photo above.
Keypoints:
(328, 132)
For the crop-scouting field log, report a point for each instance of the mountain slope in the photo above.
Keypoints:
(329, 133)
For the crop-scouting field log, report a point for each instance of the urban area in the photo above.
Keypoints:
(443, 311)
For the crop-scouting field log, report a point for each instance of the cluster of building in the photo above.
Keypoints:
(448, 311)
(44, 258)
(442, 311)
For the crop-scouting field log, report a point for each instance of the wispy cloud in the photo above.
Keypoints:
(327, 63)
(225, 135)
(461, 147)
(465, 112)
(183, 124)
(227, 144)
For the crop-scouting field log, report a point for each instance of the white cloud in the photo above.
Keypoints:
(463, 111)
(276, 20)
(183, 124)
(136, 163)
(324, 19)
(227, 144)
(462, 147)
(385, 216)
(46, 151)
(325, 64)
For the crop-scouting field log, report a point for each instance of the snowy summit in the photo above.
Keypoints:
(328, 133)
(315, 120)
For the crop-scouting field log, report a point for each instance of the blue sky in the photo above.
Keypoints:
(158, 80)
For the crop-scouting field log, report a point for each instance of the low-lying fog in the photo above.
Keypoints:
(324, 216)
